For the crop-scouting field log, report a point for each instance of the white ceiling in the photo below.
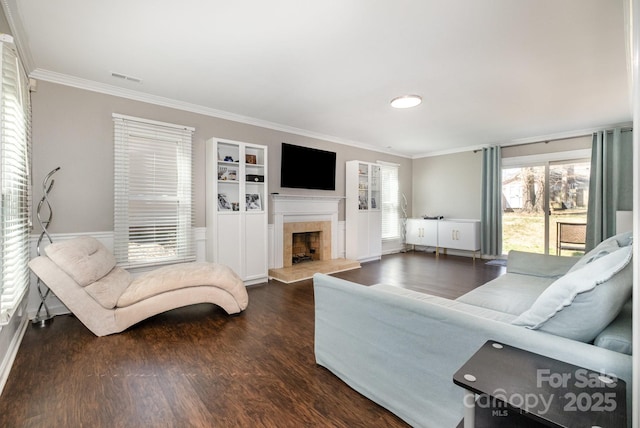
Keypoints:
(490, 71)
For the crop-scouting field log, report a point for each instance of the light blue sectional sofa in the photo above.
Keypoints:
(400, 348)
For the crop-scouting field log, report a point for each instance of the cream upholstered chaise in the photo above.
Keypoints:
(83, 274)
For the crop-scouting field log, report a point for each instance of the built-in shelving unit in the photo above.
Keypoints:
(363, 214)
(236, 207)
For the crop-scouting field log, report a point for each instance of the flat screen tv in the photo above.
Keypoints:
(307, 168)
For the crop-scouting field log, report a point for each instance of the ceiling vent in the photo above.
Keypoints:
(125, 77)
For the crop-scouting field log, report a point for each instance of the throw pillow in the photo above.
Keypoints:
(83, 258)
(607, 246)
(583, 302)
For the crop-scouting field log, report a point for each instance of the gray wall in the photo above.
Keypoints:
(4, 25)
(73, 129)
(447, 185)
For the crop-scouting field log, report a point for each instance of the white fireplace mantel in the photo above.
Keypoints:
(301, 208)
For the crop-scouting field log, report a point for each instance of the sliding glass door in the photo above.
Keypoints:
(545, 205)
(523, 208)
(569, 194)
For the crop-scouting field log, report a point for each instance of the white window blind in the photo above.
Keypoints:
(390, 201)
(15, 178)
(153, 188)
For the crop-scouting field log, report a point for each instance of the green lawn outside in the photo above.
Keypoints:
(525, 232)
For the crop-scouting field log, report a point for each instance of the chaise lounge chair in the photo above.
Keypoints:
(106, 299)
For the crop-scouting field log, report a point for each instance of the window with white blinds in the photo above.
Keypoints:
(153, 188)
(390, 201)
(15, 179)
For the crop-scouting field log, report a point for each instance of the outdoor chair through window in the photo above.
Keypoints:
(571, 237)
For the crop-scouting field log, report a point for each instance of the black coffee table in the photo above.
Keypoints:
(507, 386)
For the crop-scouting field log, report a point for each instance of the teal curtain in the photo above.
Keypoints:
(491, 217)
(610, 183)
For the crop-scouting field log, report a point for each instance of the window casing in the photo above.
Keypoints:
(390, 201)
(15, 181)
(153, 188)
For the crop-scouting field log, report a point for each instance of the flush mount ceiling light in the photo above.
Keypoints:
(406, 101)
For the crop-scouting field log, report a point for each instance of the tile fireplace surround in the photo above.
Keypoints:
(297, 213)
(323, 228)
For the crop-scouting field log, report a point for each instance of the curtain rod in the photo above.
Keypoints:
(547, 141)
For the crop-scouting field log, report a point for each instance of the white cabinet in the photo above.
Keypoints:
(444, 234)
(422, 232)
(363, 216)
(459, 235)
(236, 207)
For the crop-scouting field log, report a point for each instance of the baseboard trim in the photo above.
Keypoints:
(12, 351)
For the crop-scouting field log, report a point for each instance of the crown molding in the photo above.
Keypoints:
(528, 140)
(93, 86)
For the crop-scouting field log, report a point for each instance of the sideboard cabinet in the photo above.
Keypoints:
(422, 232)
(451, 234)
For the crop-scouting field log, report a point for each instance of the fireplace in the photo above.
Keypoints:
(306, 224)
(306, 246)
(301, 214)
(306, 241)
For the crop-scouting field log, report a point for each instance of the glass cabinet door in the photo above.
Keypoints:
(363, 186)
(374, 200)
(254, 165)
(228, 177)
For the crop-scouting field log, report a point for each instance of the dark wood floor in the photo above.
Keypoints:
(198, 367)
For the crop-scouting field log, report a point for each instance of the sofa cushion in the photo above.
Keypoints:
(547, 266)
(617, 336)
(83, 258)
(448, 303)
(510, 293)
(583, 302)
